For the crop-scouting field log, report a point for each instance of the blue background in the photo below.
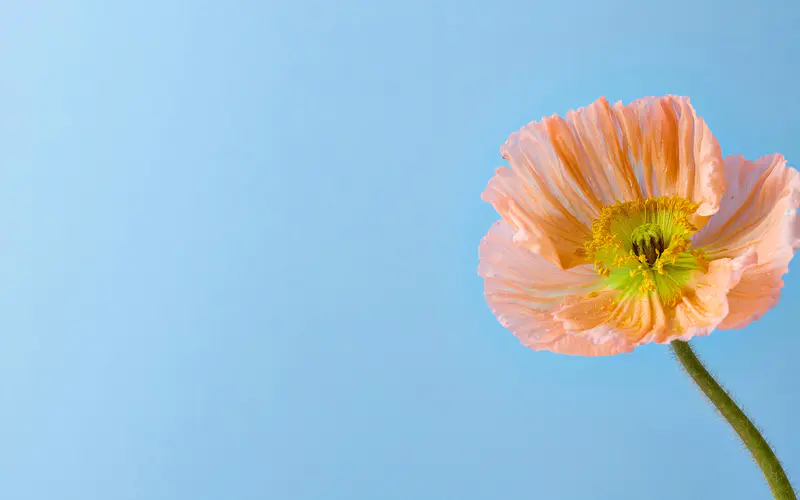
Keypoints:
(239, 250)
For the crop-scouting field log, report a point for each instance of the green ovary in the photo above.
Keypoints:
(648, 240)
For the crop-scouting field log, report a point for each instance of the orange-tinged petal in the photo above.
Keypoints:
(634, 321)
(758, 213)
(626, 323)
(563, 171)
(673, 151)
(543, 225)
(630, 322)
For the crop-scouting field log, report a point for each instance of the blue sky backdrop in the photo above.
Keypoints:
(238, 247)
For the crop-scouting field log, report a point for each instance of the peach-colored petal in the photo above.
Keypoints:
(626, 323)
(593, 317)
(571, 311)
(575, 345)
(758, 213)
(703, 308)
(758, 291)
(524, 291)
(563, 171)
(631, 322)
(673, 151)
(542, 224)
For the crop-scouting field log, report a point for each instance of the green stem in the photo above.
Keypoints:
(755, 442)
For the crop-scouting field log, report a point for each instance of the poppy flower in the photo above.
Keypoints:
(623, 225)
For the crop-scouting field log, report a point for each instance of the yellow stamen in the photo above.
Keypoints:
(649, 240)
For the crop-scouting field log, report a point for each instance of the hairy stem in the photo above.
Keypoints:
(749, 434)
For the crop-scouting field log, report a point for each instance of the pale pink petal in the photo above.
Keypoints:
(758, 213)
(575, 345)
(564, 171)
(524, 291)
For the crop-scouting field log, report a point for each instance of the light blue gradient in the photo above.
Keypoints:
(238, 249)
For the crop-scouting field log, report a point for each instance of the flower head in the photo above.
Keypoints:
(623, 225)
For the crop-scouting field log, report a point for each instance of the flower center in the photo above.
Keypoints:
(644, 246)
(648, 240)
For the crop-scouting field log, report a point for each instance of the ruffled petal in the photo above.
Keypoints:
(541, 224)
(524, 291)
(703, 308)
(758, 213)
(595, 317)
(758, 291)
(563, 171)
(626, 323)
(673, 151)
